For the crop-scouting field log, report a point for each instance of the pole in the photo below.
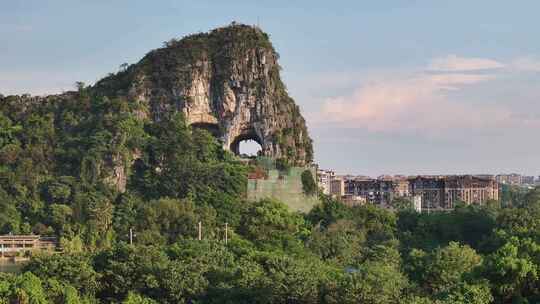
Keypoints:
(200, 231)
(226, 233)
(131, 236)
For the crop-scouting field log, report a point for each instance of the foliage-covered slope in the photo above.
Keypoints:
(66, 159)
(228, 79)
(57, 160)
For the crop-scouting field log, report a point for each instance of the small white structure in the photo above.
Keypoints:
(417, 203)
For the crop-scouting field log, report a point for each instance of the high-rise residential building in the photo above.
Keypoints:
(364, 187)
(378, 191)
(401, 186)
(324, 177)
(434, 192)
(527, 180)
(470, 190)
(429, 188)
(444, 192)
(509, 179)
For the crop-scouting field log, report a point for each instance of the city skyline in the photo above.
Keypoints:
(397, 174)
(411, 87)
(503, 178)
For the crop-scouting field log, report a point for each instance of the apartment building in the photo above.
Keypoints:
(444, 192)
(324, 177)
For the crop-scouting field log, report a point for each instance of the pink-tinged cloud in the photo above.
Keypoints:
(530, 64)
(453, 63)
(418, 104)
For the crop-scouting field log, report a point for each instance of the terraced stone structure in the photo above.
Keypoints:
(226, 81)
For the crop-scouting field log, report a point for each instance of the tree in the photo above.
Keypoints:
(179, 163)
(402, 203)
(181, 283)
(469, 225)
(512, 195)
(123, 67)
(446, 267)
(372, 283)
(80, 86)
(270, 222)
(134, 298)
(295, 280)
(127, 269)
(340, 242)
(60, 217)
(10, 218)
(463, 292)
(8, 131)
(69, 269)
(379, 224)
(174, 219)
(58, 192)
(328, 212)
(125, 214)
(513, 269)
(24, 288)
(308, 183)
(99, 213)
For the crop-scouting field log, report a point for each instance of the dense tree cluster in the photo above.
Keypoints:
(334, 254)
(308, 183)
(57, 155)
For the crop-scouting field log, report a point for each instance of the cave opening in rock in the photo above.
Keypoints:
(249, 148)
(247, 145)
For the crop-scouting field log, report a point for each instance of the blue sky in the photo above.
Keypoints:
(387, 87)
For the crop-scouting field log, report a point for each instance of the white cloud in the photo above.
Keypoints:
(415, 104)
(453, 63)
(528, 63)
(423, 102)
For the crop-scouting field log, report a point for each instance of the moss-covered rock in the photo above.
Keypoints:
(228, 80)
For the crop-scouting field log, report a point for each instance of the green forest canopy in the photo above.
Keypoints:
(56, 157)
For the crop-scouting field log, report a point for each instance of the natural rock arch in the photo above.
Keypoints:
(226, 81)
(235, 144)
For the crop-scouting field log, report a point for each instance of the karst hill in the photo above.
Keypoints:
(226, 81)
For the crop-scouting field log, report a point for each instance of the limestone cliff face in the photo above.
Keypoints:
(227, 81)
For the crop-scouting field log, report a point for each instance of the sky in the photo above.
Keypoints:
(386, 87)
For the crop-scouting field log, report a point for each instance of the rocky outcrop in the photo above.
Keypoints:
(226, 81)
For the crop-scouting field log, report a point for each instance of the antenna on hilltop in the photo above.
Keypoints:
(258, 22)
